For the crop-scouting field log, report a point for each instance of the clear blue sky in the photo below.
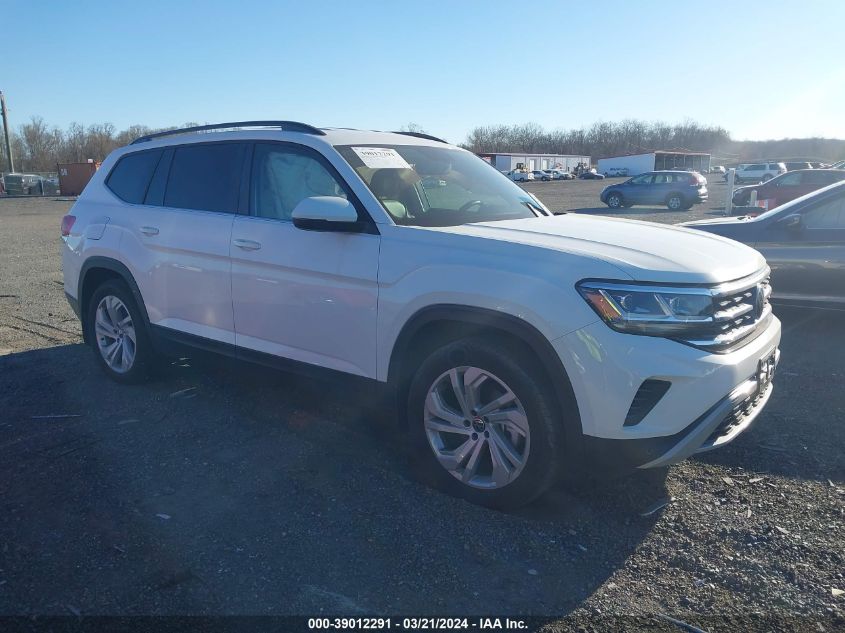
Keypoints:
(761, 70)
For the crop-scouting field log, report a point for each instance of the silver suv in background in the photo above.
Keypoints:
(755, 172)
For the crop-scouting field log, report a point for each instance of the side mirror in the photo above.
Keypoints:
(326, 213)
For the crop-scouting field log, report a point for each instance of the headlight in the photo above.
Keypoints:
(651, 310)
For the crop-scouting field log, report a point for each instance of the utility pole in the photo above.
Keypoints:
(6, 132)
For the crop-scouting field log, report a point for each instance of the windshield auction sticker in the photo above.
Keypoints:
(381, 158)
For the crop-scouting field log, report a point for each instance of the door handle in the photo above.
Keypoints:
(247, 245)
(149, 230)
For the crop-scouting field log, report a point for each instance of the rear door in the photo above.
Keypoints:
(808, 261)
(308, 296)
(178, 243)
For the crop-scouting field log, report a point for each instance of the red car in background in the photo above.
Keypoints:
(788, 186)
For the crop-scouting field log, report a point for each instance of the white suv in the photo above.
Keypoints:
(757, 172)
(518, 346)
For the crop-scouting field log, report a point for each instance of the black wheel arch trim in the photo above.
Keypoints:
(115, 266)
(483, 317)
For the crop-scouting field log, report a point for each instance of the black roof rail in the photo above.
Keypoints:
(428, 137)
(286, 126)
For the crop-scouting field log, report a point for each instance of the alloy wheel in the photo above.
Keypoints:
(477, 427)
(115, 333)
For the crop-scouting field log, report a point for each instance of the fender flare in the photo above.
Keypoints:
(483, 317)
(123, 272)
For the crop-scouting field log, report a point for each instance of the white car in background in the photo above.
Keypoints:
(559, 174)
(520, 175)
(518, 347)
(758, 172)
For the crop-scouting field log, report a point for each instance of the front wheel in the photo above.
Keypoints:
(482, 424)
(614, 201)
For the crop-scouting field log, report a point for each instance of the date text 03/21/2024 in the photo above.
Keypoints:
(418, 624)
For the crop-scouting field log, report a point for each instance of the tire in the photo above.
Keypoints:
(133, 361)
(675, 201)
(493, 369)
(615, 201)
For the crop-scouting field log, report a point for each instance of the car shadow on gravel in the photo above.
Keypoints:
(224, 487)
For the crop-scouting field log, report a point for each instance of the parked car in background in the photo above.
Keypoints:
(676, 189)
(758, 172)
(520, 175)
(541, 175)
(591, 175)
(519, 347)
(803, 241)
(815, 165)
(23, 184)
(615, 172)
(558, 174)
(794, 184)
(718, 169)
(794, 166)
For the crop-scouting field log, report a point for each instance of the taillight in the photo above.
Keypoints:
(67, 224)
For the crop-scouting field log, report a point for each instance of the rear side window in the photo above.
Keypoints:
(205, 177)
(131, 176)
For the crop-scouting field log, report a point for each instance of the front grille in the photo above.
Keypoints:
(740, 309)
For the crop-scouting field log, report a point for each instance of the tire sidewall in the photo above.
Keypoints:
(617, 198)
(546, 434)
(142, 365)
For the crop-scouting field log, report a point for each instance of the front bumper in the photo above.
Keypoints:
(606, 369)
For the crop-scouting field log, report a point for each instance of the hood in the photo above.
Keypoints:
(738, 219)
(643, 250)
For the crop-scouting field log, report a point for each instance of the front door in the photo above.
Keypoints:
(308, 296)
(808, 259)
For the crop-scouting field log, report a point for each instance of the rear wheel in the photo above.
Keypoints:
(118, 334)
(482, 424)
(675, 202)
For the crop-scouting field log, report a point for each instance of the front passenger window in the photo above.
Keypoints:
(282, 177)
(829, 215)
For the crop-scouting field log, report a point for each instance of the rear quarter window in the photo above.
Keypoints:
(131, 176)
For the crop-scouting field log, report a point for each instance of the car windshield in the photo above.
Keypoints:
(421, 185)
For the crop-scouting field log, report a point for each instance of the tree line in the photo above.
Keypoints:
(37, 146)
(631, 136)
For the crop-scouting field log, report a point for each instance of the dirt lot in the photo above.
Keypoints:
(223, 488)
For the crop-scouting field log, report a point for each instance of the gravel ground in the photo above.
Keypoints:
(223, 488)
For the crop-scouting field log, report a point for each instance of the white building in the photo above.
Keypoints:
(655, 161)
(515, 160)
